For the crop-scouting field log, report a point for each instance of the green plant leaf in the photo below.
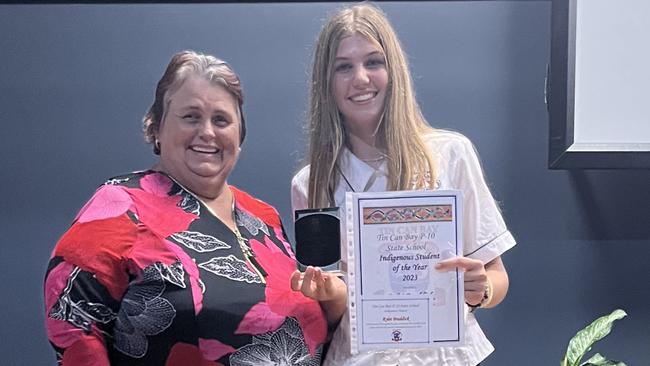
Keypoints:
(595, 358)
(583, 340)
(599, 360)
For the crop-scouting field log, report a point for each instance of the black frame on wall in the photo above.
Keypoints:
(564, 151)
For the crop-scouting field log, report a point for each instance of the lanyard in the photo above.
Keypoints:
(369, 183)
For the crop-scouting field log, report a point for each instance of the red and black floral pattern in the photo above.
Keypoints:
(146, 275)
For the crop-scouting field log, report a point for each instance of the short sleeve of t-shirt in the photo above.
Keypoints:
(485, 235)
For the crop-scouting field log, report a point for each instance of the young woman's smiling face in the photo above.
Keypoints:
(359, 83)
(199, 135)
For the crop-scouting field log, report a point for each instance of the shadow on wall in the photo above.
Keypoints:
(614, 207)
(614, 204)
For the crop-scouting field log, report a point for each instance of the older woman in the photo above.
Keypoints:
(367, 134)
(173, 266)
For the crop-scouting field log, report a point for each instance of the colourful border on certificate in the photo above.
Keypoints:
(400, 215)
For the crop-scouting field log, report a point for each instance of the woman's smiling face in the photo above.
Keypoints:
(359, 83)
(199, 135)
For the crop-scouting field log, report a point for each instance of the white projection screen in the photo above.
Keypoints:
(598, 92)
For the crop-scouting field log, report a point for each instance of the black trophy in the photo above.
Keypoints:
(318, 238)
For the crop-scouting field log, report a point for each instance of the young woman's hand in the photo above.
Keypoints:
(476, 278)
(479, 278)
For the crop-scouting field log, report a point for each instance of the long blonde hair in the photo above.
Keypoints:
(410, 165)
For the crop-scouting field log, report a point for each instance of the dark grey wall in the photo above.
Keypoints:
(75, 81)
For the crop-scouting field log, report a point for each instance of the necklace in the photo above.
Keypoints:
(248, 253)
(246, 250)
(374, 160)
(376, 173)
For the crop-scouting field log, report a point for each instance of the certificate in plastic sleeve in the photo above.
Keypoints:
(396, 297)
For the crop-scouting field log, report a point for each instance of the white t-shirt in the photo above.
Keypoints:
(485, 237)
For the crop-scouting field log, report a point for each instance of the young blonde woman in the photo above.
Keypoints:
(368, 134)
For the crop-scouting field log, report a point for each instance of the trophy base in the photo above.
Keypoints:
(337, 269)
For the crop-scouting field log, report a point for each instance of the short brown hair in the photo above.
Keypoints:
(182, 65)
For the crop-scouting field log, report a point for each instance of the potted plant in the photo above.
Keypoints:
(581, 343)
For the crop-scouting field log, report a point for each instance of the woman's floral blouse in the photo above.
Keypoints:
(147, 275)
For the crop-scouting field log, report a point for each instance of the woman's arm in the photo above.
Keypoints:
(74, 314)
(87, 277)
(498, 276)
